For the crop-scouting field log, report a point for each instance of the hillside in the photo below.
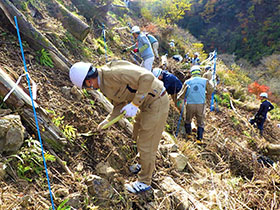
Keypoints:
(223, 174)
(249, 29)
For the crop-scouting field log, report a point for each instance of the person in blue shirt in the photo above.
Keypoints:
(195, 59)
(171, 83)
(127, 3)
(187, 58)
(154, 43)
(194, 93)
(143, 47)
(177, 58)
(261, 115)
(172, 43)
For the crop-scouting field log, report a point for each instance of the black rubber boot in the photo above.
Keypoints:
(200, 131)
(188, 128)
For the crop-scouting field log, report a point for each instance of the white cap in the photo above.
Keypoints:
(157, 72)
(135, 29)
(78, 73)
(196, 53)
(264, 95)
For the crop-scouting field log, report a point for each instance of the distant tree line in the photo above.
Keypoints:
(249, 29)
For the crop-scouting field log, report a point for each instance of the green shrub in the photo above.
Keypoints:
(275, 113)
(239, 93)
(45, 59)
(29, 160)
(225, 100)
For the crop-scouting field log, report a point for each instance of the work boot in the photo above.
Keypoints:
(199, 138)
(137, 187)
(200, 131)
(188, 128)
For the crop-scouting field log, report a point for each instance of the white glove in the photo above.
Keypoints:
(100, 125)
(130, 109)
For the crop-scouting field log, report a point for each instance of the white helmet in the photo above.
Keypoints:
(157, 72)
(207, 67)
(264, 95)
(195, 69)
(78, 73)
(135, 29)
(196, 53)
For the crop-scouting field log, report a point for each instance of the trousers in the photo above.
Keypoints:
(155, 49)
(148, 63)
(197, 110)
(147, 132)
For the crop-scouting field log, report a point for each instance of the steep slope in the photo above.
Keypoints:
(223, 174)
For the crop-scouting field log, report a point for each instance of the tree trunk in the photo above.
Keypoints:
(73, 24)
(182, 198)
(273, 149)
(21, 102)
(34, 38)
(90, 9)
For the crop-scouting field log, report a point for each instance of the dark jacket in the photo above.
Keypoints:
(265, 107)
(171, 83)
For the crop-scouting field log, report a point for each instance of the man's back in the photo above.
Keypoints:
(264, 108)
(142, 40)
(171, 83)
(196, 90)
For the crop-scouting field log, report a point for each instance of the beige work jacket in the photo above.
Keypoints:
(123, 82)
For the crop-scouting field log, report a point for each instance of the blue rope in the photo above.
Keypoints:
(103, 32)
(182, 110)
(212, 106)
(35, 115)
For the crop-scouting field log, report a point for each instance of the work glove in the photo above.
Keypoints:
(130, 109)
(104, 122)
(135, 50)
(124, 50)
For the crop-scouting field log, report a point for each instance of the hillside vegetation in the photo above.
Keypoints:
(249, 29)
(226, 173)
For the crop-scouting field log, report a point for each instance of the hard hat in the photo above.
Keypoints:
(135, 29)
(172, 40)
(78, 73)
(196, 53)
(207, 67)
(264, 95)
(157, 72)
(195, 70)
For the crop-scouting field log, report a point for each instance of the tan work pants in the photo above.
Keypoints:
(197, 110)
(147, 132)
